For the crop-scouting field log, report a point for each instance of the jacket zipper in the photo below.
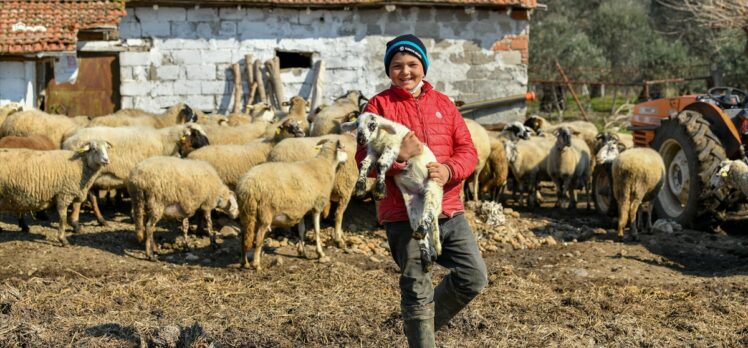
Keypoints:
(423, 122)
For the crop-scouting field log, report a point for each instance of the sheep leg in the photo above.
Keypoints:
(634, 219)
(571, 192)
(62, 211)
(300, 247)
(138, 215)
(74, 217)
(360, 189)
(95, 205)
(559, 192)
(185, 229)
(316, 216)
(209, 228)
(248, 235)
(475, 192)
(384, 163)
(154, 215)
(339, 212)
(22, 223)
(259, 241)
(623, 215)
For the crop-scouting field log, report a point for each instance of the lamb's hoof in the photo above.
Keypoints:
(360, 188)
(379, 191)
(257, 266)
(76, 226)
(340, 243)
(419, 233)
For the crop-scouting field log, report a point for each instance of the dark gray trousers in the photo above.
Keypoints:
(460, 254)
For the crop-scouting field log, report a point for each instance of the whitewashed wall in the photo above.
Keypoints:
(17, 81)
(192, 50)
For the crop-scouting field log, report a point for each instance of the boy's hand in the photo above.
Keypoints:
(410, 147)
(438, 172)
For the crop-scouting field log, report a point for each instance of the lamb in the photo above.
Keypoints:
(329, 119)
(298, 149)
(734, 174)
(297, 111)
(494, 175)
(528, 161)
(176, 188)
(422, 196)
(33, 180)
(35, 122)
(177, 114)
(638, 175)
(232, 161)
(264, 200)
(482, 144)
(131, 146)
(569, 167)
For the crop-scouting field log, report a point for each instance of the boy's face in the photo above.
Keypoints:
(406, 70)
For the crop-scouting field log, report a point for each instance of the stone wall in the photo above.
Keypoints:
(473, 57)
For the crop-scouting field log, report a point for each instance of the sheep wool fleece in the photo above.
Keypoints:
(436, 122)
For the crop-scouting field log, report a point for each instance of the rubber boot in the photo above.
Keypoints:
(448, 303)
(418, 324)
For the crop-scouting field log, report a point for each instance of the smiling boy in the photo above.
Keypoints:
(435, 121)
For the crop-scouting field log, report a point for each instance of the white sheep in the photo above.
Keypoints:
(298, 149)
(482, 144)
(329, 118)
(32, 180)
(528, 162)
(734, 174)
(35, 122)
(232, 161)
(625, 140)
(422, 196)
(264, 199)
(569, 167)
(638, 175)
(131, 146)
(177, 114)
(176, 188)
(237, 135)
(587, 130)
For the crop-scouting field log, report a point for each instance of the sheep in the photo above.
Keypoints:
(264, 200)
(178, 113)
(35, 122)
(734, 174)
(609, 152)
(638, 175)
(329, 119)
(297, 149)
(33, 142)
(494, 175)
(569, 167)
(241, 134)
(602, 138)
(528, 162)
(587, 130)
(232, 161)
(131, 146)
(515, 131)
(33, 180)
(176, 188)
(8, 109)
(483, 148)
(297, 111)
(422, 196)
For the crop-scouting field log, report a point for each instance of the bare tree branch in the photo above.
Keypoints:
(714, 14)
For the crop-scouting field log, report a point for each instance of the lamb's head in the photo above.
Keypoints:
(609, 152)
(289, 128)
(94, 153)
(510, 148)
(515, 131)
(328, 147)
(227, 204)
(183, 112)
(297, 104)
(535, 123)
(721, 175)
(261, 111)
(192, 137)
(605, 137)
(366, 126)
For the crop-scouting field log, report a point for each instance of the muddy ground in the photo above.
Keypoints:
(556, 279)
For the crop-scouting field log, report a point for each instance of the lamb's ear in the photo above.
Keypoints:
(83, 149)
(339, 146)
(600, 136)
(388, 128)
(108, 145)
(348, 126)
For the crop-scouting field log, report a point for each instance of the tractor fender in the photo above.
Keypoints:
(721, 125)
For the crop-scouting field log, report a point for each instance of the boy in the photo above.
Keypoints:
(434, 120)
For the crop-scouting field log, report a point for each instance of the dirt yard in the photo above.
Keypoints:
(556, 279)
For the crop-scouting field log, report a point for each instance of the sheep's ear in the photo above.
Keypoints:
(108, 145)
(388, 128)
(600, 136)
(319, 143)
(574, 132)
(621, 147)
(724, 171)
(348, 126)
(557, 131)
(83, 149)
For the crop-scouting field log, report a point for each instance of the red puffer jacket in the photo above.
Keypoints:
(436, 122)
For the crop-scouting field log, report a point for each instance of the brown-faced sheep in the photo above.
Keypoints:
(483, 148)
(176, 188)
(343, 109)
(33, 180)
(638, 175)
(264, 200)
(494, 175)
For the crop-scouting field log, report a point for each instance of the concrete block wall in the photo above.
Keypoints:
(473, 56)
(17, 82)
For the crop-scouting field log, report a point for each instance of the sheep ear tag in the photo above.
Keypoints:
(277, 131)
(317, 147)
(183, 138)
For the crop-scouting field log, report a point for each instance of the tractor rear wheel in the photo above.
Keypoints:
(602, 190)
(691, 153)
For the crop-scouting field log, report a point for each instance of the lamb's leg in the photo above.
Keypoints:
(360, 189)
(316, 216)
(22, 223)
(209, 228)
(559, 192)
(302, 235)
(431, 211)
(571, 193)
(476, 186)
(383, 164)
(634, 219)
(62, 211)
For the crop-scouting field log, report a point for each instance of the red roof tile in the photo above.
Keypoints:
(31, 26)
(528, 4)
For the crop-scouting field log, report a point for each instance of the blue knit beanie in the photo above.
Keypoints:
(407, 43)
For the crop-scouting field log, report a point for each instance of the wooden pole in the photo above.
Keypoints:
(250, 77)
(571, 89)
(273, 68)
(237, 87)
(615, 98)
(317, 88)
(260, 82)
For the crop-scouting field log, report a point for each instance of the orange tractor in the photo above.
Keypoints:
(693, 133)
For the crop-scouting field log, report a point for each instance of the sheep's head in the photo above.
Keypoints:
(605, 137)
(563, 137)
(609, 152)
(534, 122)
(185, 113)
(326, 146)
(289, 128)
(297, 103)
(192, 138)
(515, 131)
(226, 203)
(721, 175)
(95, 153)
(366, 126)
